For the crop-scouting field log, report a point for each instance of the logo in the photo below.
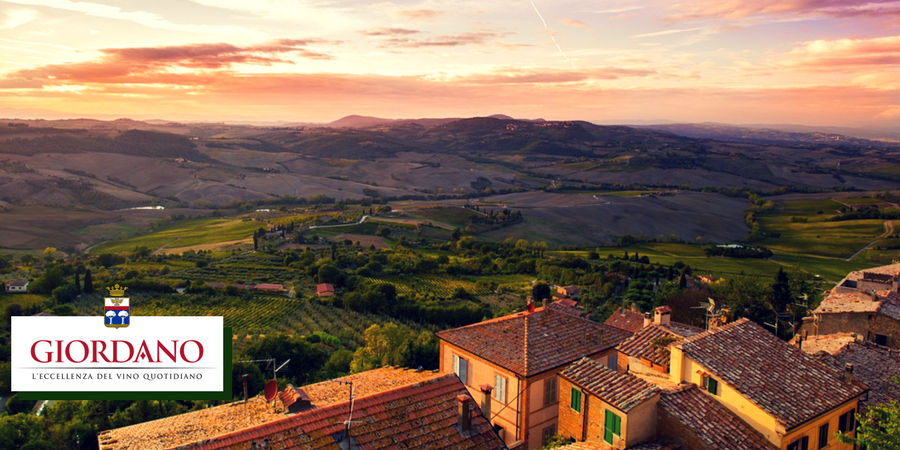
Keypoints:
(116, 314)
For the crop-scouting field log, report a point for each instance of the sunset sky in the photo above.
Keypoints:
(817, 62)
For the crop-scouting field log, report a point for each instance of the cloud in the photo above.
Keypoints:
(154, 64)
(419, 14)
(470, 38)
(665, 32)
(144, 18)
(573, 23)
(739, 9)
(381, 31)
(893, 111)
(16, 18)
(841, 54)
(511, 75)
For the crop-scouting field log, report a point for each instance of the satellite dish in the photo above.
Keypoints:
(271, 390)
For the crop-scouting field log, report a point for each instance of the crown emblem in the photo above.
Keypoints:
(117, 291)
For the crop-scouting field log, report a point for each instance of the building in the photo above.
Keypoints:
(864, 302)
(789, 397)
(17, 286)
(568, 291)
(325, 290)
(392, 408)
(698, 422)
(567, 306)
(630, 320)
(872, 365)
(646, 353)
(598, 404)
(511, 362)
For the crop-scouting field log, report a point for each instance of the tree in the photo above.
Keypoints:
(14, 309)
(88, 282)
(328, 273)
(50, 280)
(540, 291)
(77, 283)
(49, 252)
(385, 346)
(781, 292)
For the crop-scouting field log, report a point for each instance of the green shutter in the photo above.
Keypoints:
(713, 386)
(576, 399)
(612, 426)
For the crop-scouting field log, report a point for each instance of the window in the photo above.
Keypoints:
(549, 391)
(614, 362)
(500, 389)
(847, 422)
(881, 339)
(547, 434)
(800, 444)
(460, 368)
(576, 400)
(612, 427)
(711, 385)
(823, 436)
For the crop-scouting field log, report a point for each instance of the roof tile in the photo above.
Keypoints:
(621, 390)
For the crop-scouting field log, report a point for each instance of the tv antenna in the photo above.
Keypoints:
(349, 422)
(713, 312)
(270, 362)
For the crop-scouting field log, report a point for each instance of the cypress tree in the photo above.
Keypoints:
(77, 283)
(88, 283)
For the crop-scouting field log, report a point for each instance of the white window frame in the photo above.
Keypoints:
(461, 368)
(500, 388)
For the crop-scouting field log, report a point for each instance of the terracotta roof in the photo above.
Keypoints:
(324, 288)
(626, 319)
(422, 415)
(600, 445)
(640, 345)
(873, 365)
(17, 283)
(711, 422)
(292, 395)
(211, 422)
(663, 309)
(268, 287)
(567, 306)
(621, 390)
(788, 384)
(531, 343)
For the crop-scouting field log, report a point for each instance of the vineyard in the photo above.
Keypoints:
(256, 316)
(443, 286)
(243, 268)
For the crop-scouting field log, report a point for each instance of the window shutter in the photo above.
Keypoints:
(842, 423)
(500, 388)
(576, 399)
(713, 387)
(463, 370)
(456, 364)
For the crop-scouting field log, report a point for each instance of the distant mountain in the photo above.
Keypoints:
(788, 135)
(355, 121)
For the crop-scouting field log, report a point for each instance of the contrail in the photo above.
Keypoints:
(551, 35)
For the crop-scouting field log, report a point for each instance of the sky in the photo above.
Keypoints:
(813, 62)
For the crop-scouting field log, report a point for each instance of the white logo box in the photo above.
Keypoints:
(180, 375)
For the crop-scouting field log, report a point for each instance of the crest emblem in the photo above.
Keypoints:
(116, 313)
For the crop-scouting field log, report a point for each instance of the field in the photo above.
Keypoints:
(256, 316)
(816, 236)
(443, 286)
(185, 233)
(23, 300)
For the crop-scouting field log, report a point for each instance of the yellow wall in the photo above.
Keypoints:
(683, 369)
(811, 429)
(641, 425)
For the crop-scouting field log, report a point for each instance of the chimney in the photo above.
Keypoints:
(244, 378)
(464, 421)
(530, 306)
(486, 390)
(544, 303)
(848, 372)
(647, 320)
(662, 315)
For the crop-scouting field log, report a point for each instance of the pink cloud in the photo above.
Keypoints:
(737, 9)
(419, 14)
(573, 23)
(838, 54)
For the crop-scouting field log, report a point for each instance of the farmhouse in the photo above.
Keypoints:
(386, 402)
(325, 290)
(510, 363)
(864, 302)
(17, 286)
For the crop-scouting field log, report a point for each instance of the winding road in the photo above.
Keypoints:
(888, 230)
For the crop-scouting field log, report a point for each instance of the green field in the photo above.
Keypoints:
(817, 236)
(450, 216)
(23, 300)
(184, 234)
(443, 286)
